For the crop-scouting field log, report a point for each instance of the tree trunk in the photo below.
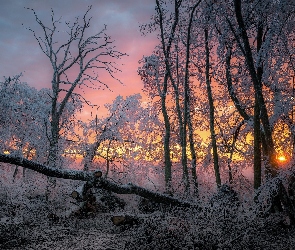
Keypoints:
(50, 171)
(235, 137)
(53, 145)
(257, 146)
(257, 133)
(230, 88)
(167, 157)
(166, 47)
(271, 166)
(211, 107)
(186, 112)
(54, 124)
(194, 159)
(182, 132)
(53, 152)
(246, 117)
(90, 154)
(187, 105)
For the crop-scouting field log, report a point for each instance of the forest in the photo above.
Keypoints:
(205, 162)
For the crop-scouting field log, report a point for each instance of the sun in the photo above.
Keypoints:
(282, 158)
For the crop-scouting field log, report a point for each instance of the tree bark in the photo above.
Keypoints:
(194, 159)
(257, 145)
(167, 157)
(231, 90)
(179, 112)
(257, 129)
(211, 107)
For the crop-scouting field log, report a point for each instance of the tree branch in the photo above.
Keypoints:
(49, 171)
(95, 179)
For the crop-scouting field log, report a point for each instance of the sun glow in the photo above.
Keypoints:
(282, 158)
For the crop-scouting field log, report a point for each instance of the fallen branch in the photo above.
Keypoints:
(49, 171)
(143, 192)
(80, 192)
(95, 179)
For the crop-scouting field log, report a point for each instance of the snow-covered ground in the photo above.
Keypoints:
(211, 228)
(28, 221)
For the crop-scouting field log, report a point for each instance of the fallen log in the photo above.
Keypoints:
(143, 192)
(95, 179)
(50, 171)
(149, 206)
(79, 194)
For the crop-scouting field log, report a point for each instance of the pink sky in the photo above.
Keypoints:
(21, 53)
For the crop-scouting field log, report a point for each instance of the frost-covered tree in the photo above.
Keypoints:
(24, 114)
(76, 60)
(121, 126)
(166, 74)
(254, 41)
(25, 120)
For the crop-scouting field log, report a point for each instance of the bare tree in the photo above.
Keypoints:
(79, 53)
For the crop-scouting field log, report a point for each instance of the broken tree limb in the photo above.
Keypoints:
(80, 193)
(49, 171)
(95, 179)
(76, 195)
(143, 192)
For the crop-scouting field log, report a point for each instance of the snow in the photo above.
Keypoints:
(218, 224)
